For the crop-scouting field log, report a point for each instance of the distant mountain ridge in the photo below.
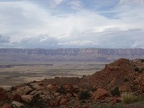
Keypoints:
(69, 54)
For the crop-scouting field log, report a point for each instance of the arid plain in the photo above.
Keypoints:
(14, 74)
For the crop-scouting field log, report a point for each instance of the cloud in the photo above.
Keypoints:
(111, 38)
(40, 41)
(55, 3)
(23, 19)
(132, 2)
(4, 39)
(75, 5)
(122, 38)
(25, 22)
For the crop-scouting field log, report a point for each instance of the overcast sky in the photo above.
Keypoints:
(71, 23)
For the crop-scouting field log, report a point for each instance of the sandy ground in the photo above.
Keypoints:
(21, 74)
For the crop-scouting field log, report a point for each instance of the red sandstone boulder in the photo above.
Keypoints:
(53, 103)
(124, 88)
(68, 87)
(26, 98)
(116, 99)
(86, 106)
(52, 87)
(38, 86)
(24, 90)
(17, 98)
(63, 101)
(6, 106)
(100, 94)
(112, 68)
(17, 104)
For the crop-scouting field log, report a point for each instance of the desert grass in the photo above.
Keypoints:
(128, 98)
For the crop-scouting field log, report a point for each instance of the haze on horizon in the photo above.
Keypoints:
(71, 23)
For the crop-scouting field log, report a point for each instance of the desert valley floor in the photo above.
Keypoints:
(13, 74)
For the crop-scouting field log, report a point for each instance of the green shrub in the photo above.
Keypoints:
(61, 90)
(136, 69)
(115, 91)
(126, 80)
(128, 98)
(139, 70)
(142, 60)
(140, 98)
(38, 102)
(84, 95)
(106, 105)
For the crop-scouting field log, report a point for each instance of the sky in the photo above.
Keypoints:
(71, 24)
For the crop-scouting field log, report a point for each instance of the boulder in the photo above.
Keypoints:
(124, 88)
(17, 98)
(99, 94)
(52, 87)
(63, 101)
(24, 90)
(6, 106)
(112, 68)
(86, 106)
(116, 99)
(34, 92)
(26, 98)
(17, 104)
(68, 87)
(38, 86)
(53, 103)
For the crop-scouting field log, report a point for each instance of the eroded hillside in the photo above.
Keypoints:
(105, 86)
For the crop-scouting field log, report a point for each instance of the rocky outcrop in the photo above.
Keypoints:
(104, 86)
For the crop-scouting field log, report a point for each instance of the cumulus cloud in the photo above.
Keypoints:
(40, 41)
(122, 38)
(25, 22)
(131, 38)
